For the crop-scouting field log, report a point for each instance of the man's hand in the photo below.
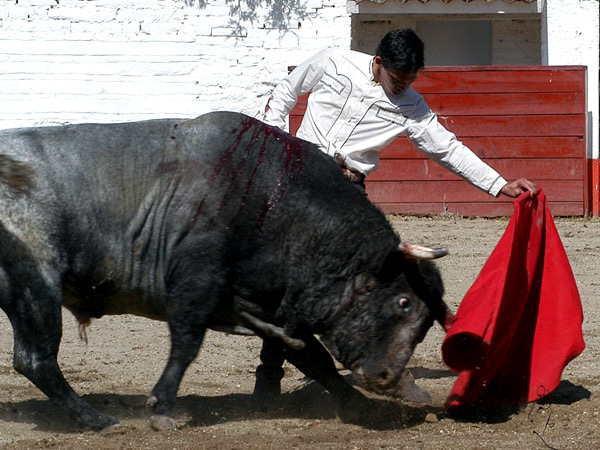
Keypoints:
(517, 187)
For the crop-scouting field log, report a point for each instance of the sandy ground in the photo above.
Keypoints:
(117, 369)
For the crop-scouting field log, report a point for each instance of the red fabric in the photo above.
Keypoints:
(519, 325)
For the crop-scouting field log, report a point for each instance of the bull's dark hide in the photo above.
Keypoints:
(219, 221)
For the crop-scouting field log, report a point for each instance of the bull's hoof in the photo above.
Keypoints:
(266, 390)
(266, 393)
(97, 421)
(162, 423)
(411, 392)
(355, 409)
(116, 429)
(263, 400)
(107, 421)
(152, 402)
(267, 386)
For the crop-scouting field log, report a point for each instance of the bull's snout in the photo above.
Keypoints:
(385, 378)
(382, 381)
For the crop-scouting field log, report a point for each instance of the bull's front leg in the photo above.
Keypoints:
(186, 340)
(188, 310)
(315, 362)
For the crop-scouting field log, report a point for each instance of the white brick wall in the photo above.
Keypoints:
(121, 60)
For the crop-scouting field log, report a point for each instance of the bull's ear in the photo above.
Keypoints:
(426, 281)
(391, 268)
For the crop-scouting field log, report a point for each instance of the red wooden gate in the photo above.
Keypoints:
(525, 121)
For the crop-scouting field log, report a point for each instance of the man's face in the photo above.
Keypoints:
(393, 82)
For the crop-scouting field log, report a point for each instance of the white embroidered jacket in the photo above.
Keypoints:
(351, 118)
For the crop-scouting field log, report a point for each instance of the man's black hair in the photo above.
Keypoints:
(402, 49)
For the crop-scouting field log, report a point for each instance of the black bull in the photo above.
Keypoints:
(219, 222)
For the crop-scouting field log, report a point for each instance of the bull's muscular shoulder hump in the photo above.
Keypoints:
(218, 124)
(222, 133)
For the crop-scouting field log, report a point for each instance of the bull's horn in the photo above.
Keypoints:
(418, 252)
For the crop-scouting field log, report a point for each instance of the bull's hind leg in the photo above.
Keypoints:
(36, 342)
(33, 308)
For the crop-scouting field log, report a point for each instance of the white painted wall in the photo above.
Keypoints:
(123, 60)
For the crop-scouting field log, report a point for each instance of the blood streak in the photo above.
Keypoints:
(264, 144)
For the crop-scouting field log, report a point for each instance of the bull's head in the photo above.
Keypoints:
(384, 315)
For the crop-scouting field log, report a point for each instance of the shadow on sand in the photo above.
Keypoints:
(309, 402)
(565, 394)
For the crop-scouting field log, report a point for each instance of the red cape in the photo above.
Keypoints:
(519, 325)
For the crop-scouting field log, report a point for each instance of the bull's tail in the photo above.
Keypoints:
(16, 175)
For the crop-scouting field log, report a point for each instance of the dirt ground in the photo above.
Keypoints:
(125, 355)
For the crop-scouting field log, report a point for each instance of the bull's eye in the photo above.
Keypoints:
(404, 302)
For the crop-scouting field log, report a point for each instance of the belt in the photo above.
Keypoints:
(354, 175)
